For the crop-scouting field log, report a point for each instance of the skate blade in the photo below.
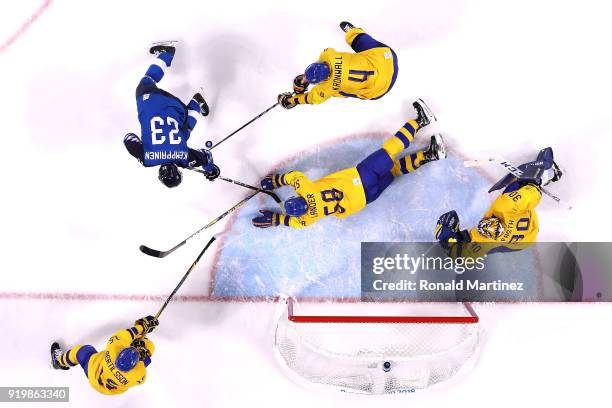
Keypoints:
(170, 43)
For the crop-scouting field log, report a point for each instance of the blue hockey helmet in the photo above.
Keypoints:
(127, 359)
(170, 175)
(317, 72)
(295, 206)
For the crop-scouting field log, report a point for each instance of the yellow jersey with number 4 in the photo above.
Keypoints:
(339, 194)
(366, 75)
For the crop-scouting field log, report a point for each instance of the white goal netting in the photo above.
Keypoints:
(367, 353)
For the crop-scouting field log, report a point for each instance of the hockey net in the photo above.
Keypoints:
(371, 348)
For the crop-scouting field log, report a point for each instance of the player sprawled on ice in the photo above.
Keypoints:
(166, 124)
(348, 191)
(369, 73)
(122, 365)
(511, 222)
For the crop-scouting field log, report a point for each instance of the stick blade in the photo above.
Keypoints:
(152, 252)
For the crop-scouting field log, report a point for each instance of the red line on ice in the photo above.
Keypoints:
(109, 297)
(24, 27)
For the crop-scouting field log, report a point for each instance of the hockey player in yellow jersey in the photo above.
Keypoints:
(122, 365)
(511, 222)
(348, 191)
(368, 73)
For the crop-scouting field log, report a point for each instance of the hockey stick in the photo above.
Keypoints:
(514, 170)
(191, 268)
(238, 183)
(161, 254)
(240, 128)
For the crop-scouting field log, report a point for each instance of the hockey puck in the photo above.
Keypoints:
(208, 144)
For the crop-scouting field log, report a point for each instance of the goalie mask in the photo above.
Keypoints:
(491, 228)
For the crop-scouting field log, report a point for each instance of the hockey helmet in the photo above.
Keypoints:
(296, 206)
(491, 228)
(170, 175)
(317, 72)
(127, 359)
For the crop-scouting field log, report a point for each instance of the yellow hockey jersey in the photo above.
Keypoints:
(102, 374)
(365, 75)
(339, 194)
(516, 211)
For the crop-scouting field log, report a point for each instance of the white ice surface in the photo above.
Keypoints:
(502, 78)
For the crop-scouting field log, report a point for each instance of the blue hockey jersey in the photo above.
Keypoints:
(164, 129)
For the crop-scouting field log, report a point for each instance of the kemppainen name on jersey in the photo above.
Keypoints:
(423, 284)
(164, 155)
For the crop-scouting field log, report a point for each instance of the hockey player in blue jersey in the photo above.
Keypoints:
(166, 124)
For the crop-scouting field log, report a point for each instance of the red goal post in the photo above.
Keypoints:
(472, 317)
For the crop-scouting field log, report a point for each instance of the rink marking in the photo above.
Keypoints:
(24, 27)
(117, 297)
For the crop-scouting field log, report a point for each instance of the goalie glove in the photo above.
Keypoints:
(300, 84)
(447, 229)
(266, 219)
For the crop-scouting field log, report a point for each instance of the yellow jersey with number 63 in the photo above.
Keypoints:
(339, 194)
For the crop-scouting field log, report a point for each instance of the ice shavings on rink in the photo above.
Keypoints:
(323, 260)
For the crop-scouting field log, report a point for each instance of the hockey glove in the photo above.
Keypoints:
(286, 100)
(212, 171)
(447, 227)
(148, 323)
(139, 345)
(271, 182)
(266, 219)
(300, 84)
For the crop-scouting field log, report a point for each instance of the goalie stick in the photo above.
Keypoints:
(238, 183)
(514, 170)
(161, 254)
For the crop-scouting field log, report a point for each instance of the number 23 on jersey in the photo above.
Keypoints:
(158, 135)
